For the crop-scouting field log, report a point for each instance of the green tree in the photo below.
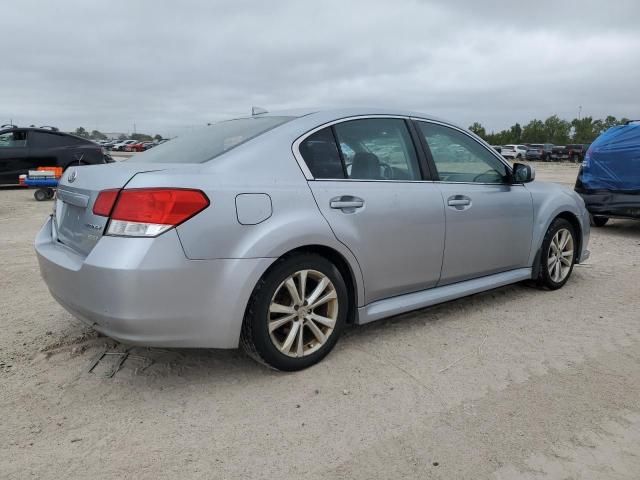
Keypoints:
(81, 132)
(157, 137)
(515, 133)
(478, 129)
(141, 137)
(97, 135)
(533, 132)
(585, 130)
(556, 130)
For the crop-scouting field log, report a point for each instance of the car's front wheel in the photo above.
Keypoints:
(296, 313)
(559, 251)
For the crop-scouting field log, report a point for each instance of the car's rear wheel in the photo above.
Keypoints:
(296, 313)
(599, 220)
(559, 251)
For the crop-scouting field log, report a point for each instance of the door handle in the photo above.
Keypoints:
(346, 203)
(459, 202)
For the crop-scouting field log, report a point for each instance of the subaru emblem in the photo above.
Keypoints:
(72, 176)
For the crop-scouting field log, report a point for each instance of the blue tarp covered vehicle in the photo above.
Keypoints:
(609, 178)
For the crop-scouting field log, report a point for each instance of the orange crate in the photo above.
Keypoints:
(57, 171)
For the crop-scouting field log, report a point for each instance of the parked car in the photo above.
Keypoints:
(134, 147)
(497, 148)
(514, 152)
(574, 152)
(24, 149)
(609, 177)
(266, 232)
(121, 146)
(539, 151)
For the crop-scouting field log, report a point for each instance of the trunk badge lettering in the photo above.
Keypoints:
(72, 176)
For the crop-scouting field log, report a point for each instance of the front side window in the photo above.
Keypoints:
(460, 158)
(15, 139)
(377, 149)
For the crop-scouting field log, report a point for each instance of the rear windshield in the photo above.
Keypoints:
(206, 143)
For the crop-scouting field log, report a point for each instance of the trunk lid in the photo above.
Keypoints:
(74, 223)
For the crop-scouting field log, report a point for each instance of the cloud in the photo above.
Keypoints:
(171, 65)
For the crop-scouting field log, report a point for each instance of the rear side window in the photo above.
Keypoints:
(365, 149)
(206, 143)
(377, 149)
(15, 139)
(49, 140)
(321, 155)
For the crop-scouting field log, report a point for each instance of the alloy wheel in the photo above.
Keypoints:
(560, 256)
(302, 313)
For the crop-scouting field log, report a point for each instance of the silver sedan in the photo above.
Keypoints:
(275, 231)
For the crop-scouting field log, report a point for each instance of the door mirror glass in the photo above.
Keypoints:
(523, 173)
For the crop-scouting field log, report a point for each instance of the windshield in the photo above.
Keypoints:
(206, 143)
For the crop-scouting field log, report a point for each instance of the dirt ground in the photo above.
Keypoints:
(514, 383)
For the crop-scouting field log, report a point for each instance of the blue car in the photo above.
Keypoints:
(609, 178)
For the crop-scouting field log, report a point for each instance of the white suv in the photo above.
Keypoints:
(514, 151)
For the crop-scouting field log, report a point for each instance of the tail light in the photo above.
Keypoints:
(148, 212)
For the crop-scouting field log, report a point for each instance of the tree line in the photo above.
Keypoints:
(552, 130)
(97, 135)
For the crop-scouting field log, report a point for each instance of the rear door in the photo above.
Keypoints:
(489, 220)
(14, 156)
(369, 186)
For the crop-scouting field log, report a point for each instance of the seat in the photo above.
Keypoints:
(366, 166)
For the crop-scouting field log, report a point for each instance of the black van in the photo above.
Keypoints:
(24, 149)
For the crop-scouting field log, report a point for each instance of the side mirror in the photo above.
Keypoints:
(523, 173)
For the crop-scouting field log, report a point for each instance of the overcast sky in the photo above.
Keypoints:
(168, 65)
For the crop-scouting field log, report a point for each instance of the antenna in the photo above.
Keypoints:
(257, 111)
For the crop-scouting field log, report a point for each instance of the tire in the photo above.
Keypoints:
(50, 193)
(599, 220)
(40, 195)
(548, 276)
(272, 302)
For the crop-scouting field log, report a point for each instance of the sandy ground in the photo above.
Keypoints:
(513, 383)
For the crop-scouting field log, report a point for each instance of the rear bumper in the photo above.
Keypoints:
(146, 292)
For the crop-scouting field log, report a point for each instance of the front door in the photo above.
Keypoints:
(368, 185)
(489, 220)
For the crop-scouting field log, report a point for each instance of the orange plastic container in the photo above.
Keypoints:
(57, 171)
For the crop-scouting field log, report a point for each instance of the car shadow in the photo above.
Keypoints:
(234, 365)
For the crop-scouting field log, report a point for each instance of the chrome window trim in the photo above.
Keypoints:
(295, 148)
